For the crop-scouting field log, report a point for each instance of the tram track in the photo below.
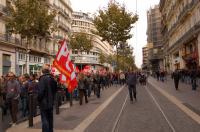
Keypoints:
(114, 129)
(160, 109)
(117, 121)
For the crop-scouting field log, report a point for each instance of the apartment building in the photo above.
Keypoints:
(181, 30)
(20, 58)
(145, 57)
(82, 22)
(154, 37)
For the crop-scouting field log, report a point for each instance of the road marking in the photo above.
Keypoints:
(178, 103)
(85, 123)
(157, 104)
(120, 113)
(80, 128)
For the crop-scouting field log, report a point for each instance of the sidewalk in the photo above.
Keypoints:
(185, 94)
(69, 117)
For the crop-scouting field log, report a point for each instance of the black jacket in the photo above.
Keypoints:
(47, 88)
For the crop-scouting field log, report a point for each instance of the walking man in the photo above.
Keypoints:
(131, 82)
(47, 88)
(176, 77)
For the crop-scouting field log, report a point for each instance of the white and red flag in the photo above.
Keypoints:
(65, 67)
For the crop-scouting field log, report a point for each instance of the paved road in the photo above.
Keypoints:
(160, 108)
(151, 113)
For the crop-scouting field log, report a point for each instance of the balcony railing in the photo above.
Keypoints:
(38, 46)
(64, 27)
(192, 33)
(53, 52)
(184, 13)
(62, 11)
(3, 9)
(8, 39)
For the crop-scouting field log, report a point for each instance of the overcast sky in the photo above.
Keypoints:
(139, 38)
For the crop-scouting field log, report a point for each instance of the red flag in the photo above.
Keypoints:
(65, 67)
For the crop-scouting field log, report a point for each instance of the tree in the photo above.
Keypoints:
(114, 24)
(102, 58)
(30, 18)
(81, 42)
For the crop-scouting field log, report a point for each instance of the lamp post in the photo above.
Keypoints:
(26, 63)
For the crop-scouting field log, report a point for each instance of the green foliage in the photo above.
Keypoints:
(30, 18)
(102, 58)
(81, 42)
(114, 23)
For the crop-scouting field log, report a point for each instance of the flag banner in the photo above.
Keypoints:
(86, 69)
(65, 67)
(77, 70)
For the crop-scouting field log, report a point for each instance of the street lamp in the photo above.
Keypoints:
(26, 63)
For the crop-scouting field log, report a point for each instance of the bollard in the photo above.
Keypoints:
(30, 110)
(1, 118)
(57, 104)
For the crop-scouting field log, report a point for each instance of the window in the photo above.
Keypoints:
(35, 59)
(6, 57)
(39, 59)
(6, 63)
(22, 56)
(31, 58)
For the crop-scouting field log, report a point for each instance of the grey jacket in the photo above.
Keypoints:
(12, 89)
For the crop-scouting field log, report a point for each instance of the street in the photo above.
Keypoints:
(153, 111)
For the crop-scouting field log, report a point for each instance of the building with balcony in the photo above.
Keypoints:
(82, 22)
(7, 44)
(145, 57)
(43, 51)
(181, 30)
(18, 56)
(63, 21)
(154, 37)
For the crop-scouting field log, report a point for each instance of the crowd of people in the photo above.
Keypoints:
(15, 90)
(187, 76)
(190, 77)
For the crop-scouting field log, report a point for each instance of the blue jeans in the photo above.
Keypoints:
(47, 120)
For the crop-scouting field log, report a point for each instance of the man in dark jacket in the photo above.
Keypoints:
(131, 82)
(47, 88)
(176, 77)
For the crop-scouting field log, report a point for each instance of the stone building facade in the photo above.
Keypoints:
(181, 31)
